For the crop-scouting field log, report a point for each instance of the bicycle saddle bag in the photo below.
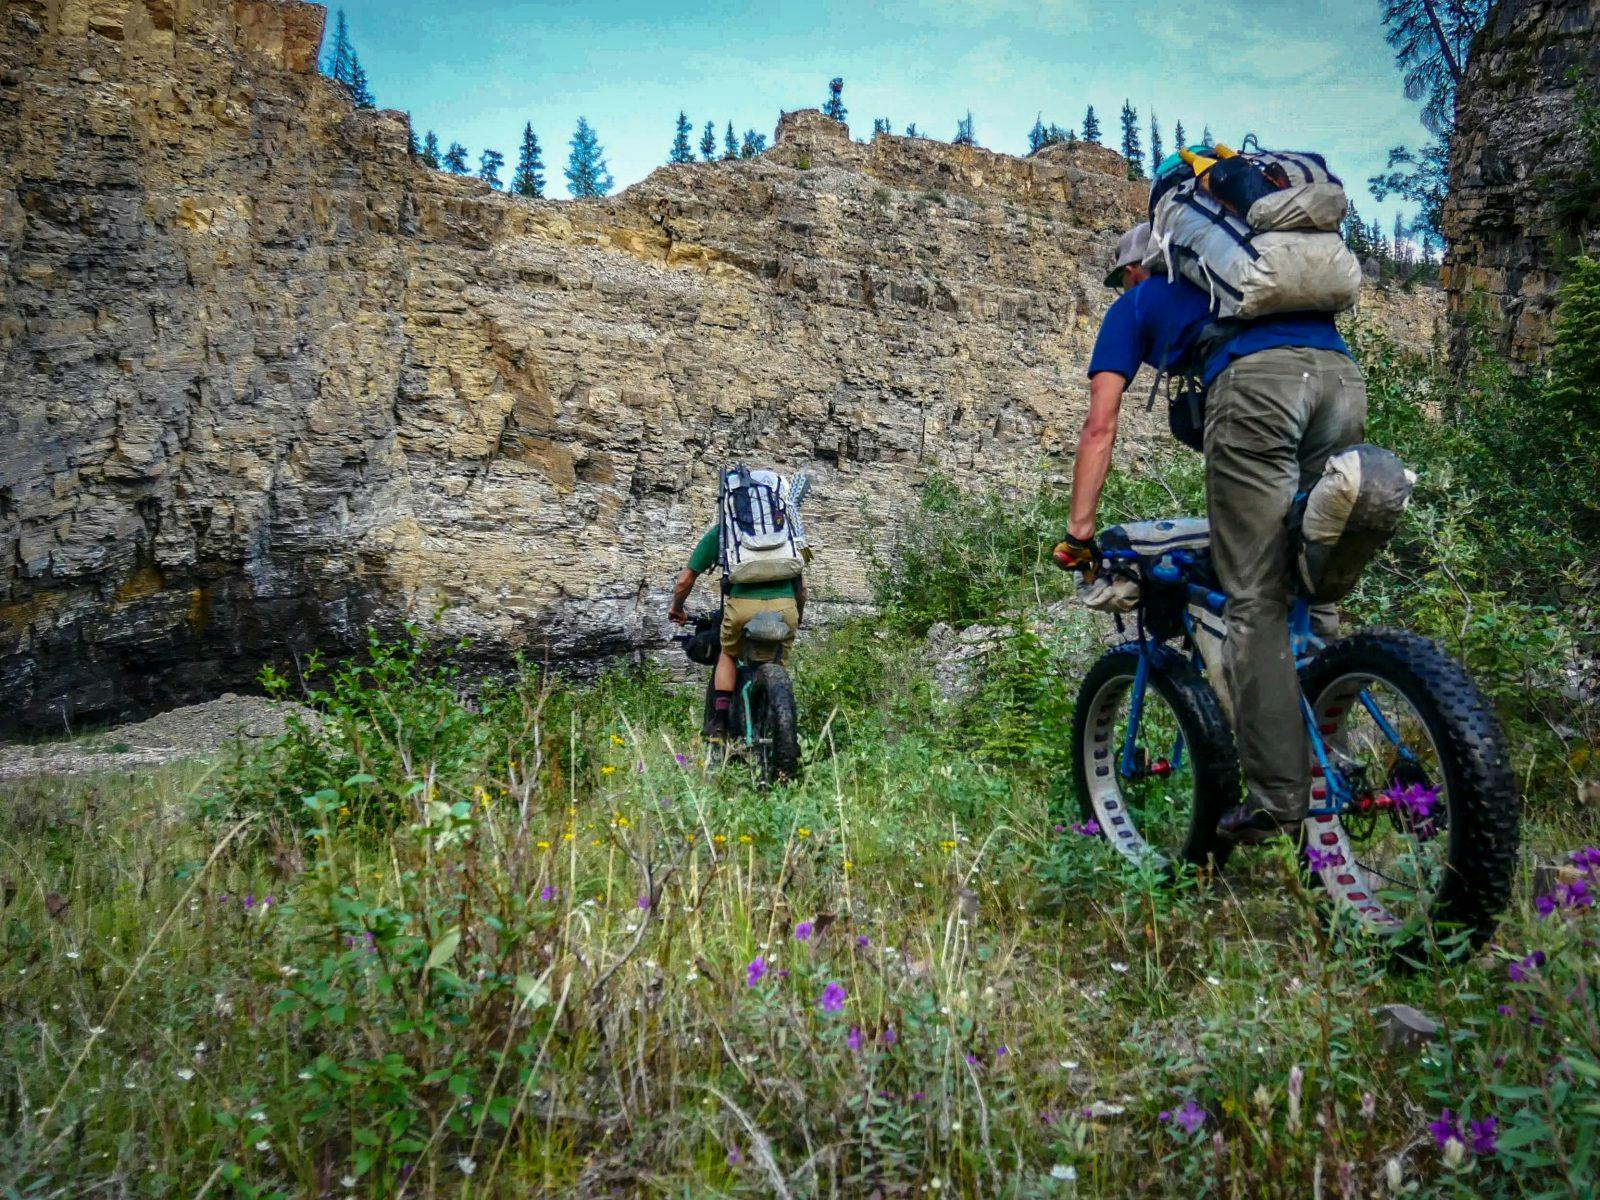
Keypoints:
(1152, 539)
(764, 635)
(1339, 526)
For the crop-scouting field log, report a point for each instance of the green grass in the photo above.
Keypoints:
(503, 944)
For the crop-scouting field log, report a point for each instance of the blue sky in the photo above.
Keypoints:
(1303, 73)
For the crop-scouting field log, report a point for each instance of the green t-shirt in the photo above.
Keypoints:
(708, 554)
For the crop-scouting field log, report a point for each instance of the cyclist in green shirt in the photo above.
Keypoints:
(744, 600)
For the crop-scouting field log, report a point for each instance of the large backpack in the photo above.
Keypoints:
(760, 537)
(1273, 247)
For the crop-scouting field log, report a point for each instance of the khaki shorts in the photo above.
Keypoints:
(737, 612)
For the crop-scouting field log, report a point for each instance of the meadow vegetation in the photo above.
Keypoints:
(514, 940)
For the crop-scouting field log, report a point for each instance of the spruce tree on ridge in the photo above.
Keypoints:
(964, 135)
(1158, 149)
(682, 149)
(529, 177)
(455, 159)
(430, 150)
(835, 106)
(1180, 140)
(1132, 148)
(730, 144)
(341, 54)
(1091, 126)
(708, 142)
(753, 144)
(489, 164)
(586, 171)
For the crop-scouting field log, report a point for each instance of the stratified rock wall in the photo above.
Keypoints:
(1517, 142)
(265, 380)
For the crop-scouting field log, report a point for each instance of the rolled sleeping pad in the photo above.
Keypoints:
(1346, 518)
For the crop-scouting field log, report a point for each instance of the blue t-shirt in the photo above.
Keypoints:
(1159, 321)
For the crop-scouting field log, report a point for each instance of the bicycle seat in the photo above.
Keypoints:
(1152, 539)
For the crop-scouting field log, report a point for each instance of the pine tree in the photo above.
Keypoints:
(1038, 136)
(586, 171)
(880, 125)
(1132, 147)
(730, 144)
(341, 56)
(835, 106)
(1158, 149)
(1207, 140)
(1355, 234)
(1180, 139)
(455, 159)
(708, 142)
(359, 91)
(964, 135)
(682, 149)
(911, 130)
(1091, 126)
(489, 164)
(1402, 249)
(753, 144)
(1431, 39)
(430, 150)
(529, 178)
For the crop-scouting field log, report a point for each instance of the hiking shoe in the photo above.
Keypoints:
(1247, 825)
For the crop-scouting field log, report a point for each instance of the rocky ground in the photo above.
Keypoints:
(194, 731)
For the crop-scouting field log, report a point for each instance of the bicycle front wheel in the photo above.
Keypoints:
(1427, 837)
(1161, 790)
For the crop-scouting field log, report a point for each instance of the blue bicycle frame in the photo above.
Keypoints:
(1174, 568)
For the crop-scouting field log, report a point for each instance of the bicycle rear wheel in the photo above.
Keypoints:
(777, 738)
(1428, 839)
(1164, 798)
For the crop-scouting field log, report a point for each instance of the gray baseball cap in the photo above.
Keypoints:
(1130, 250)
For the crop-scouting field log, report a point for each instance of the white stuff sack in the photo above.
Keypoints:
(1348, 517)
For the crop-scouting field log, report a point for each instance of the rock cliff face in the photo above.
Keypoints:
(1517, 143)
(265, 380)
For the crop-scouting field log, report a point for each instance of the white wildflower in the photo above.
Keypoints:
(185, 1074)
(96, 1030)
(347, 1180)
(1454, 1151)
(1069, 1064)
(263, 1145)
(72, 954)
(1394, 1175)
(1120, 968)
(1063, 1171)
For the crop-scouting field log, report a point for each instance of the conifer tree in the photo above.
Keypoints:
(411, 139)
(1132, 147)
(880, 125)
(430, 150)
(359, 91)
(1158, 149)
(1207, 140)
(753, 144)
(455, 159)
(730, 144)
(529, 177)
(1180, 139)
(708, 142)
(586, 170)
(964, 135)
(341, 55)
(1402, 255)
(1038, 136)
(835, 106)
(911, 130)
(1091, 126)
(489, 164)
(682, 150)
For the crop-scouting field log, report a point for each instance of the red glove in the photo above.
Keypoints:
(1075, 554)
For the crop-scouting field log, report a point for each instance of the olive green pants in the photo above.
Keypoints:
(1272, 420)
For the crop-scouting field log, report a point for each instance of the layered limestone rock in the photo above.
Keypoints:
(265, 380)
(1517, 147)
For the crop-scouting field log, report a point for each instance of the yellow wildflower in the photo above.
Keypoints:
(608, 769)
(848, 864)
(691, 839)
(568, 836)
(544, 845)
(719, 839)
(745, 839)
(344, 810)
(617, 741)
(947, 846)
(803, 832)
(623, 822)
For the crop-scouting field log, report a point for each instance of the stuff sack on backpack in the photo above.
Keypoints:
(759, 537)
(1266, 242)
(1346, 519)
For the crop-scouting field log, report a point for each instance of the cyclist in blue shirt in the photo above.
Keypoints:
(1282, 395)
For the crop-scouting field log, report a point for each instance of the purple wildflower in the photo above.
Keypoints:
(547, 893)
(1482, 1134)
(833, 998)
(784, 973)
(1319, 860)
(1000, 1052)
(754, 972)
(802, 931)
(1416, 800)
(1090, 828)
(1504, 1010)
(862, 941)
(1522, 968)
(890, 1037)
(1164, 1116)
(734, 1158)
(919, 1096)
(1545, 905)
(1061, 828)
(972, 1060)
(853, 1039)
(643, 901)
(1048, 1116)
(1190, 1117)
(683, 761)
(1444, 1129)
(1575, 895)
(1587, 859)
(250, 901)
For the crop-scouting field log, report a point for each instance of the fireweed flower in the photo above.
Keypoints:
(802, 931)
(833, 998)
(1190, 1117)
(1524, 967)
(754, 972)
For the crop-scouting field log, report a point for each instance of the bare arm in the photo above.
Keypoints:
(680, 596)
(1094, 451)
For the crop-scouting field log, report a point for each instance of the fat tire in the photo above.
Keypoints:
(1484, 812)
(1206, 735)
(780, 742)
